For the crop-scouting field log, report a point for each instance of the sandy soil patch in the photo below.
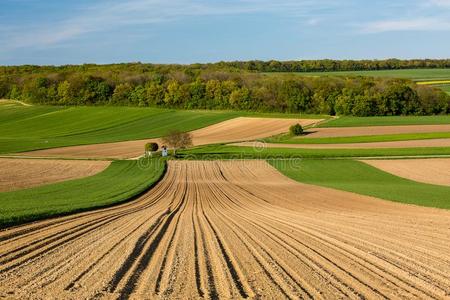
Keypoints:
(374, 130)
(379, 145)
(238, 129)
(25, 173)
(434, 171)
(233, 230)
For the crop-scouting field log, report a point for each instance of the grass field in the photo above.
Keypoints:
(121, 181)
(238, 152)
(349, 121)
(358, 177)
(288, 139)
(414, 74)
(25, 128)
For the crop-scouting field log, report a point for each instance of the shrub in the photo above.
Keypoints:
(296, 129)
(151, 147)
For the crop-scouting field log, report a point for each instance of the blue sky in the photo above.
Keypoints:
(187, 31)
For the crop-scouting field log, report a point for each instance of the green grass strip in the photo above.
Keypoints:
(121, 181)
(358, 177)
(287, 139)
(348, 121)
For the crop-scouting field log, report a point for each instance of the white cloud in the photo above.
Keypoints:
(420, 24)
(445, 3)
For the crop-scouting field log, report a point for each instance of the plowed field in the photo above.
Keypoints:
(434, 171)
(233, 230)
(24, 173)
(238, 129)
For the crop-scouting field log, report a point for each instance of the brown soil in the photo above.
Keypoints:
(434, 171)
(25, 173)
(233, 230)
(238, 129)
(375, 130)
(395, 144)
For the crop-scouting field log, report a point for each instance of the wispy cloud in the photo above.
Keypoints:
(106, 16)
(421, 24)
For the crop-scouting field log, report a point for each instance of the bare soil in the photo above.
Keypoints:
(234, 130)
(434, 171)
(235, 229)
(25, 173)
(378, 145)
(374, 130)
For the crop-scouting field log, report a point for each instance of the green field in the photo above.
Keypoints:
(288, 139)
(25, 128)
(237, 152)
(348, 121)
(414, 74)
(121, 181)
(358, 177)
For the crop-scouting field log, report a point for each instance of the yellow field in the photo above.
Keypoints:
(436, 82)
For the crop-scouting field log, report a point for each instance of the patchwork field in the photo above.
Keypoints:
(428, 143)
(118, 183)
(433, 171)
(237, 129)
(233, 230)
(25, 173)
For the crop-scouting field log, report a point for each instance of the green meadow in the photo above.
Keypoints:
(349, 121)
(413, 74)
(121, 181)
(288, 139)
(358, 177)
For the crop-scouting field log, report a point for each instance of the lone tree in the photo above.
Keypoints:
(178, 140)
(150, 147)
(296, 129)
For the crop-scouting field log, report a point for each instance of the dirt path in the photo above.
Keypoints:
(378, 145)
(374, 130)
(233, 230)
(238, 129)
(25, 173)
(434, 171)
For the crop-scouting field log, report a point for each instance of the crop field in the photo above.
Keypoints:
(119, 182)
(348, 121)
(350, 210)
(26, 173)
(413, 74)
(358, 177)
(233, 230)
(25, 128)
(237, 129)
(432, 170)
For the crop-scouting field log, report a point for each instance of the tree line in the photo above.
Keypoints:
(218, 87)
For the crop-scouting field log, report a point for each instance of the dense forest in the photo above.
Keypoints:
(232, 85)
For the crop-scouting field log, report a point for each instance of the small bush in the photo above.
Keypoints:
(151, 147)
(296, 129)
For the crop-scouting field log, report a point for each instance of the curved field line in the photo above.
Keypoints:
(233, 229)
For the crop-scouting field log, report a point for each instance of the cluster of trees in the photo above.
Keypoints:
(201, 87)
(328, 65)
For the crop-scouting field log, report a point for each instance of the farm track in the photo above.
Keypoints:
(233, 229)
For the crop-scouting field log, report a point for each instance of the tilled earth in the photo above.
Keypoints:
(18, 174)
(236, 229)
